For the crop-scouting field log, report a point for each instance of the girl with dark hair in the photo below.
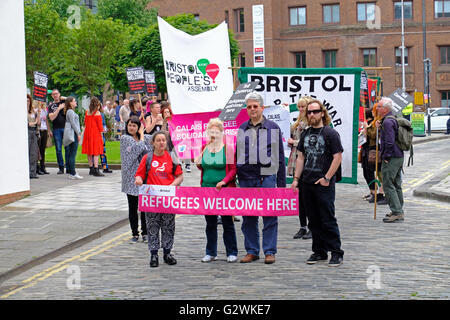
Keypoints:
(34, 121)
(92, 139)
(73, 121)
(132, 149)
(160, 172)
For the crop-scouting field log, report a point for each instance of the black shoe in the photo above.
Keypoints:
(380, 197)
(154, 261)
(382, 201)
(300, 233)
(315, 257)
(308, 235)
(91, 171)
(39, 171)
(169, 259)
(97, 173)
(34, 177)
(61, 171)
(336, 260)
(44, 171)
(107, 171)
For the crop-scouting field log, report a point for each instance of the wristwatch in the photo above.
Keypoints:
(326, 179)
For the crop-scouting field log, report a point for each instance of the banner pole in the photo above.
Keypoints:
(376, 174)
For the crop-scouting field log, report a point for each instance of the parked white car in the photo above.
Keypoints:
(438, 119)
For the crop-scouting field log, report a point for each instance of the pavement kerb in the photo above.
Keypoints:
(64, 249)
(425, 191)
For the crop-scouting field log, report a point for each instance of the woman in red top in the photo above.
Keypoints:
(92, 144)
(160, 173)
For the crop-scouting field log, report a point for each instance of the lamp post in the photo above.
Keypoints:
(403, 48)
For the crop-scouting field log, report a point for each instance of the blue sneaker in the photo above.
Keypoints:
(134, 239)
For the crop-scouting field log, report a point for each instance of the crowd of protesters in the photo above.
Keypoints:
(148, 157)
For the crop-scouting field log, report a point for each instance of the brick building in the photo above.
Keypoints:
(332, 33)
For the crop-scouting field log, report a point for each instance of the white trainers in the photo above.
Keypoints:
(231, 259)
(209, 258)
(75, 177)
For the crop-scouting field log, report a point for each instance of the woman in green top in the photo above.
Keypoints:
(217, 172)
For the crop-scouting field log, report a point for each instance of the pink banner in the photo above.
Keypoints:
(188, 131)
(227, 201)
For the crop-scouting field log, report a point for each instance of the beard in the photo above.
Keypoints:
(314, 121)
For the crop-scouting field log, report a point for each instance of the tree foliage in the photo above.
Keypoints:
(91, 53)
(128, 11)
(45, 38)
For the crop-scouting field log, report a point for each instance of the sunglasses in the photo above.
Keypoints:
(314, 111)
(252, 107)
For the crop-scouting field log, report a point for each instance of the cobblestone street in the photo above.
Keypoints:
(406, 260)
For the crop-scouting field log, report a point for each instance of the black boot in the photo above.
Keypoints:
(91, 171)
(44, 171)
(97, 173)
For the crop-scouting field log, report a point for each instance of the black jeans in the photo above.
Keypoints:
(42, 146)
(319, 205)
(301, 206)
(133, 202)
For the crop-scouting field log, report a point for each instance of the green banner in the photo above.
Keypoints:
(337, 88)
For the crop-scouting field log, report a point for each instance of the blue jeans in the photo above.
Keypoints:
(71, 154)
(58, 135)
(250, 227)
(229, 235)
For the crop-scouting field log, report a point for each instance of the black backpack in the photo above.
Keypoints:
(175, 162)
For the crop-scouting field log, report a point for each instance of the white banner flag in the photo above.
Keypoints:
(197, 68)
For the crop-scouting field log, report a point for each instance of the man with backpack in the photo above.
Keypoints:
(394, 139)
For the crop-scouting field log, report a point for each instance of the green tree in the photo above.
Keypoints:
(128, 11)
(92, 51)
(45, 38)
(145, 49)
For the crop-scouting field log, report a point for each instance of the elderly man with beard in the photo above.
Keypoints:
(319, 158)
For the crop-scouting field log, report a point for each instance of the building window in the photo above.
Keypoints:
(329, 58)
(300, 59)
(297, 16)
(407, 10)
(445, 99)
(445, 54)
(239, 18)
(242, 59)
(442, 9)
(366, 11)
(91, 4)
(398, 56)
(369, 57)
(331, 13)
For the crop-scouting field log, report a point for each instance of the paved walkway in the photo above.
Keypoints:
(53, 222)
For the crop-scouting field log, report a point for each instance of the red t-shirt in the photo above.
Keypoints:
(161, 170)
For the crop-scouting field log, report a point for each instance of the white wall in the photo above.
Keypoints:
(14, 175)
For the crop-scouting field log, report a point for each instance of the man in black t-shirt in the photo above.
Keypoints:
(319, 157)
(58, 119)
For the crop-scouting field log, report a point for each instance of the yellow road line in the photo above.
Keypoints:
(82, 257)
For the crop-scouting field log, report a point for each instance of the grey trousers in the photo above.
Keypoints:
(156, 222)
(33, 150)
(392, 184)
